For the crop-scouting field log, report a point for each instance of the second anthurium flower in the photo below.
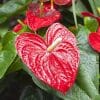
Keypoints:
(41, 16)
(38, 16)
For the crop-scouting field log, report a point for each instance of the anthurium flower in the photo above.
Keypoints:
(37, 19)
(53, 60)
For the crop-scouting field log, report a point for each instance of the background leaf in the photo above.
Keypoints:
(8, 52)
(89, 65)
(3, 29)
(12, 8)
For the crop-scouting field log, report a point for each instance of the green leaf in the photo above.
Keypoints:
(76, 93)
(3, 29)
(89, 65)
(11, 8)
(8, 52)
(97, 97)
(91, 24)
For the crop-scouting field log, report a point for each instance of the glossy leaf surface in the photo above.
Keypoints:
(8, 52)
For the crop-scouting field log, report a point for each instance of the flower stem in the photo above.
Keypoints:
(20, 22)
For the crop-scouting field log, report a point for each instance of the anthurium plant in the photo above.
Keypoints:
(49, 49)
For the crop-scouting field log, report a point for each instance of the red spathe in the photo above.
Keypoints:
(57, 68)
(48, 17)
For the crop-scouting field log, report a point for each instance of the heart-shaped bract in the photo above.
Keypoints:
(94, 40)
(48, 17)
(58, 67)
(63, 2)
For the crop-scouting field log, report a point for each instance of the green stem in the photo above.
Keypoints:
(74, 13)
(20, 22)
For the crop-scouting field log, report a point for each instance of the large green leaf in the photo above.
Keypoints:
(8, 52)
(11, 8)
(89, 65)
